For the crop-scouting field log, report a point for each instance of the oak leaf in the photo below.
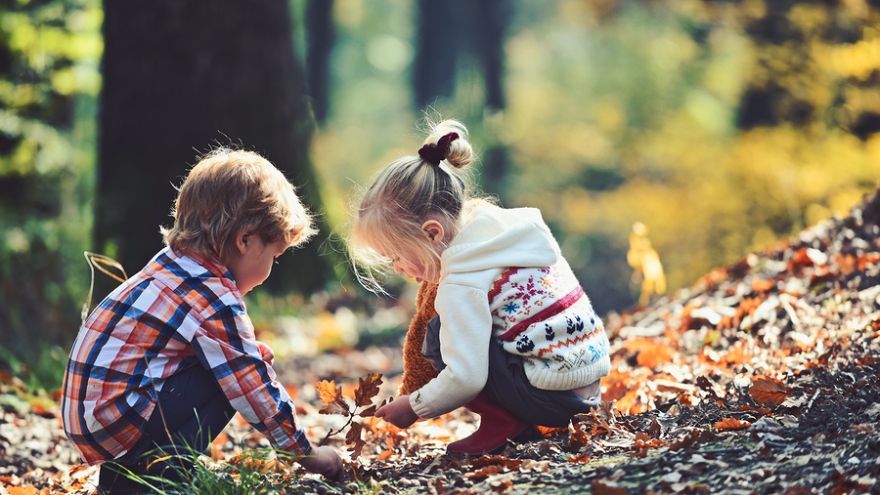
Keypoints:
(368, 387)
(331, 397)
(354, 439)
(768, 391)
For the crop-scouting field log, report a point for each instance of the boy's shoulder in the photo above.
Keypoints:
(197, 280)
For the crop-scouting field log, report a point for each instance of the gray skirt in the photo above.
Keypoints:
(509, 387)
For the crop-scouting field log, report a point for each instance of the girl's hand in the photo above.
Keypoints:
(266, 352)
(398, 412)
(324, 461)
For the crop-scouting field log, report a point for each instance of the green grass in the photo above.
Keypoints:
(242, 478)
(41, 372)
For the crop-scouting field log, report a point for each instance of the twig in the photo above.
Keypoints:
(331, 432)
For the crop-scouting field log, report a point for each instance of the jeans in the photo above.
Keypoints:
(191, 411)
(509, 387)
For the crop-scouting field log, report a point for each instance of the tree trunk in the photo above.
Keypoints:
(321, 36)
(488, 33)
(489, 30)
(438, 41)
(180, 77)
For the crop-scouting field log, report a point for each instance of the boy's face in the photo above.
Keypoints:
(252, 260)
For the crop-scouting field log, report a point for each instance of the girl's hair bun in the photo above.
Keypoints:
(448, 141)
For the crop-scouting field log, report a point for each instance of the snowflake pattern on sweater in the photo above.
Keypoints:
(544, 315)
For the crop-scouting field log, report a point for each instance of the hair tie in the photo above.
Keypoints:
(436, 153)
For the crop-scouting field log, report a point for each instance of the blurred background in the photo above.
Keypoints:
(722, 127)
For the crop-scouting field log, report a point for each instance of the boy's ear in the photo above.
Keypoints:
(433, 231)
(241, 242)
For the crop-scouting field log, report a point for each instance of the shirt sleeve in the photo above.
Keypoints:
(465, 334)
(225, 344)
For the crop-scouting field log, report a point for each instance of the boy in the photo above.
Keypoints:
(170, 355)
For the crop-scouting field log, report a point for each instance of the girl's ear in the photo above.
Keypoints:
(434, 231)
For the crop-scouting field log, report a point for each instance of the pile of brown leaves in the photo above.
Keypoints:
(762, 378)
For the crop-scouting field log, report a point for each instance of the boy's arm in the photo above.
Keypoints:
(225, 344)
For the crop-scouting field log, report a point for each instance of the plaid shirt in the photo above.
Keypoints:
(177, 312)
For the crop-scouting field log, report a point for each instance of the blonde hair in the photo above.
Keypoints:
(233, 191)
(406, 193)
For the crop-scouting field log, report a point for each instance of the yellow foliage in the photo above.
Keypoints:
(645, 263)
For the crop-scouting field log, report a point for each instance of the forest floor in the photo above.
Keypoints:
(764, 377)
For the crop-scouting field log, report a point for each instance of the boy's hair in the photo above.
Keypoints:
(405, 194)
(233, 191)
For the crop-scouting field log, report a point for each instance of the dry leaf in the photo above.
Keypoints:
(762, 285)
(651, 352)
(731, 424)
(331, 397)
(550, 431)
(643, 442)
(22, 490)
(353, 439)
(368, 387)
(579, 459)
(217, 446)
(768, 391)
(368, 412)
(577, 438)
(485, 472)
(500, 460)
(602, 487)
(800, 259)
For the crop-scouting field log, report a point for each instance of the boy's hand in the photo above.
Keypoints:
(398, 412)
(324, 461)
(266, 352)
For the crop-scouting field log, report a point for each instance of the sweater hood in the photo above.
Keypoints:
(496, 237)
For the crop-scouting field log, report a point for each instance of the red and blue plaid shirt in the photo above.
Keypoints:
(177, 312)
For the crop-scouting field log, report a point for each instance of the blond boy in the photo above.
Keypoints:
(169, 356)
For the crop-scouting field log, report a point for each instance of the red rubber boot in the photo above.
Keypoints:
(496, 427)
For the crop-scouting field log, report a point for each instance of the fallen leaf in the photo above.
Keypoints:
(496, 460)
(768, 391)
(485, 472)
(731, 424)
(217, 446)
(602, 487)
(761, 285)
(22, 490)
(799, 260)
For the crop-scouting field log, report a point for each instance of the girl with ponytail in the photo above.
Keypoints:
(516, 339)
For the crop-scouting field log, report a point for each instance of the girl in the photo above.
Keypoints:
(516, 340)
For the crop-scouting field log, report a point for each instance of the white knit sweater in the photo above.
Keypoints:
(503, 276)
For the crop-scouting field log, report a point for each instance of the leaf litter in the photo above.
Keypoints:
(764, 377)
